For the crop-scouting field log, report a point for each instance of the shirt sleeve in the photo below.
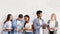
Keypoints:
(36, 26)
(48, 23)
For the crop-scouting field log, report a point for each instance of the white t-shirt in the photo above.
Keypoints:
(40, 22)
(52, 24)
(29, 26)
(8, 24)
(41, 30)
(18, 22)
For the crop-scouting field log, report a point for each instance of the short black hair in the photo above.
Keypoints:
(27, 16)
(20, 16)
(38, 12)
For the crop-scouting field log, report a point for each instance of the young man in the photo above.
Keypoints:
(38, 23)
(18, 25)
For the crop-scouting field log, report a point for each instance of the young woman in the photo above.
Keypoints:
(28, 25)
(52, 24)
(7, 26)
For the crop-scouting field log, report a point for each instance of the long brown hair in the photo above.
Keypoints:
(8, 18)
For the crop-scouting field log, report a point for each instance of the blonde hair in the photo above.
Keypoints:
(53, 15)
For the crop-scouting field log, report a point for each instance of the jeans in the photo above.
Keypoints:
(28, 32)
(51, 32)
(9, 32)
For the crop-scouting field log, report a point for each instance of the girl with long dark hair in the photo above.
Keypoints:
(28, 25)
(7, 26)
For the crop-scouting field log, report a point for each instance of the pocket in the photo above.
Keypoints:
(37, 24)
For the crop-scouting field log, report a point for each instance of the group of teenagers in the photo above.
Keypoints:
(23, 25)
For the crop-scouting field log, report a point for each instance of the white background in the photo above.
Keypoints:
(29, 7)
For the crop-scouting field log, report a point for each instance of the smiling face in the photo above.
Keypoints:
(26, 18)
